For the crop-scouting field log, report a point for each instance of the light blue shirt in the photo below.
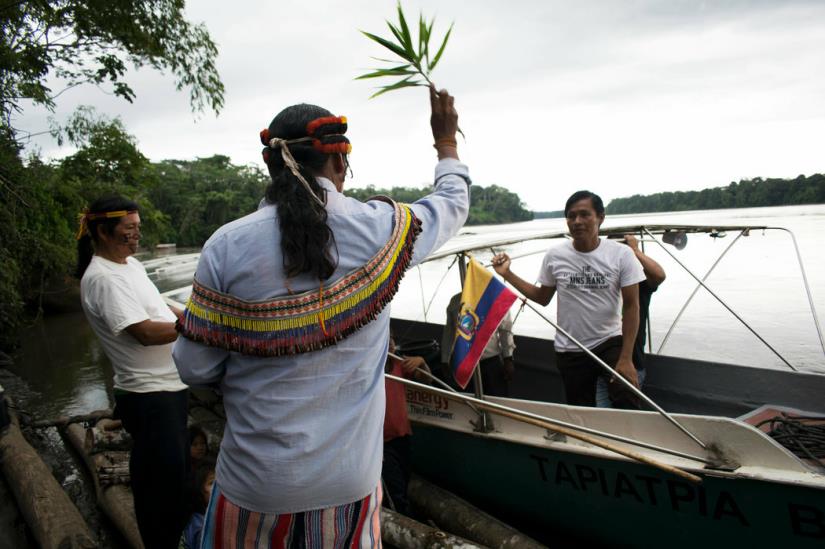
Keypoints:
(305, 432)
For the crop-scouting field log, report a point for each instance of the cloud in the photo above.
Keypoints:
(619, 97)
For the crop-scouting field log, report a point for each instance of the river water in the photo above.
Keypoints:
(759, 278)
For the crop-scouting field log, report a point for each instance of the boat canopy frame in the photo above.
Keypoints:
(459, 249)
(461, 252)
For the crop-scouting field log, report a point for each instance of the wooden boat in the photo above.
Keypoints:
(109, 470)
(752, 489)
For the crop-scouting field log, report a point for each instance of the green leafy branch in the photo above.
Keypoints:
(419, 63)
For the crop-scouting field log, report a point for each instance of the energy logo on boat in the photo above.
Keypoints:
(467, 323)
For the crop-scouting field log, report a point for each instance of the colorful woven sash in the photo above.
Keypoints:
(308, 321)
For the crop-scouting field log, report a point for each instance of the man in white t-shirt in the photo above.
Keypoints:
(597, 284)
(136, 329)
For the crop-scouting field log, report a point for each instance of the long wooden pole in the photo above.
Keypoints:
(502, 411)
(579, 428)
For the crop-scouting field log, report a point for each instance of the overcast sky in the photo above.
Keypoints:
(619, 97)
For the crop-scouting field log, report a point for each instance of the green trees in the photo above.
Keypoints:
(67, 43)
(488, 205)
(180, 201)
(33, 233)
(496, 204)
(108, 162)
(94, 41)
(400, 194)
(199, 196)
(747, 193)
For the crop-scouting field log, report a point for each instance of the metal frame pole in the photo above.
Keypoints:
(696, 289)
(719, 299)
(619, 378)
(807, 286)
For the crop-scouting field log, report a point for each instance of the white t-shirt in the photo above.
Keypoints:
(115, 296)
(588, 286)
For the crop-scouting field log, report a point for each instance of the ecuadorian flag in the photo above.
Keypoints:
(484, 302)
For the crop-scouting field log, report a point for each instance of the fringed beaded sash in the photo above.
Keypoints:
(308, 321)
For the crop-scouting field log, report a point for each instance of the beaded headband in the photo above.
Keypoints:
(85, 216)
(326, 134)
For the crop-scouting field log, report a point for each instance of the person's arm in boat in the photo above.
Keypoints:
(654, 272)
(413, 366)
(540, 294)
(630, 326)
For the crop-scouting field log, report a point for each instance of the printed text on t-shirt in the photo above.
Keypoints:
(587, 279)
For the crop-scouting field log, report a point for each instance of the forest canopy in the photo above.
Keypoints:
(488, 205)
(75, 42)
(747, 193)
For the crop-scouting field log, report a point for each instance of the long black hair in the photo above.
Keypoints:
(307, 242)
(85, 249)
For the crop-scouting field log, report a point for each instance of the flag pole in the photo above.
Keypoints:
(485, 423)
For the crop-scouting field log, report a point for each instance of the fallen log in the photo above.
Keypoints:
(456, 515)
(51, 516)
(103, 438)
(115, 500)
(62, 421)
(12, 525)
(405, 533)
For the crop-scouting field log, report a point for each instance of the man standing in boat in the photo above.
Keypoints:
(592, 277)
(289, 314)
(136, 329)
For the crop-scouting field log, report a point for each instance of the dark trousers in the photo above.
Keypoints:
(395, 472)
(492, 378)
(158, 464)
(579, 372)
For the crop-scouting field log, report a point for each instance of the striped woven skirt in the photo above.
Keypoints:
(352, 525)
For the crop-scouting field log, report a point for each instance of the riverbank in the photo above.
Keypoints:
(206, 410)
